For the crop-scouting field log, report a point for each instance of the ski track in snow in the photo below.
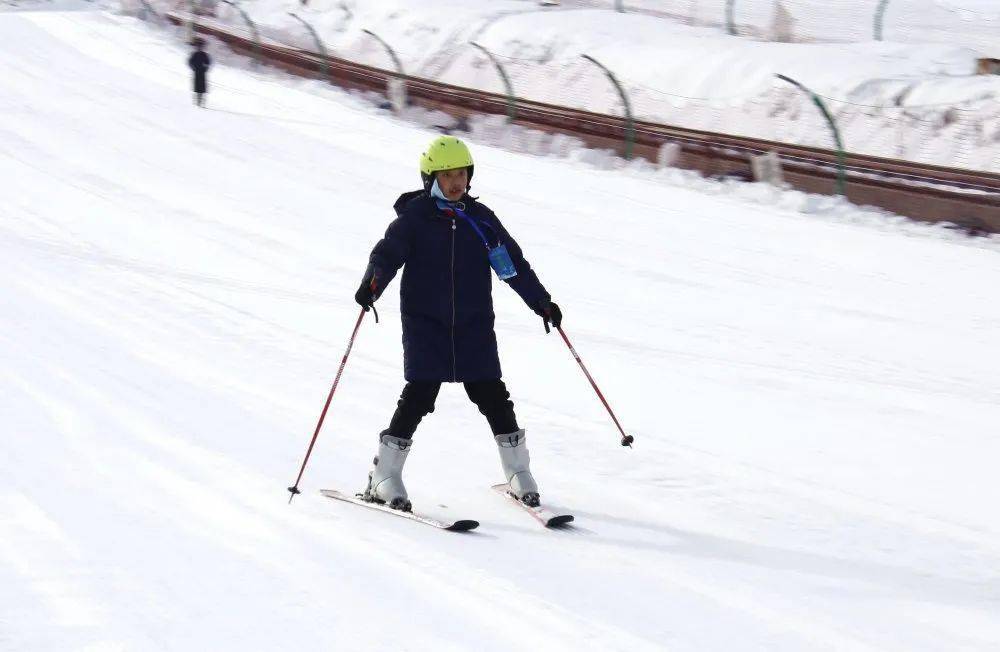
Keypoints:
(814, 403)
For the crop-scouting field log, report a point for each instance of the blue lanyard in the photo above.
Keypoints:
(445, 206)
(499, 258)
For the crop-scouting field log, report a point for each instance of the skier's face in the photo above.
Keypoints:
(453, 183)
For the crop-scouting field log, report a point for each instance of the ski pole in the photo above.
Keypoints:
(294, 489)
(626, 439)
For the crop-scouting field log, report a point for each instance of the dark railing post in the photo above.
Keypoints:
(629, 121)
(508, 87)
(324, 64)
(841, 154)
(253, 30)
(388, 48)
(147, 9)
(731, 17)
(395, 86)
(880, 19)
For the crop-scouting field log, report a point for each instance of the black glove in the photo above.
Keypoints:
(550, 314)
(370, 289)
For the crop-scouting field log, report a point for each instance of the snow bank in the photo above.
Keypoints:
(917, 101)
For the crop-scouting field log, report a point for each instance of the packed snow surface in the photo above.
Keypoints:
(814, 396)
(912, 96)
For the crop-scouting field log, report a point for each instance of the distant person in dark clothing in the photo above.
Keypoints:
(199, 62)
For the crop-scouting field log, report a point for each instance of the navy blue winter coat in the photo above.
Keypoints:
(199, 62)
(446, 299)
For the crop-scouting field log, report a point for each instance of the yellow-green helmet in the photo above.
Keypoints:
(445, 153)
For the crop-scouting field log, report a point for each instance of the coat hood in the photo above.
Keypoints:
(405, 199)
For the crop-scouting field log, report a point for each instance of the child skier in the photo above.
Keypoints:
(446, 242)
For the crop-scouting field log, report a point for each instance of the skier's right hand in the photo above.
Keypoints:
(370, 288)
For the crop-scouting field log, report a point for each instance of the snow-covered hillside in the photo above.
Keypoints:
(914, 98)
(814, 391)
(972, 23)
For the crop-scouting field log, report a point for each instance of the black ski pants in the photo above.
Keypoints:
(417, 401)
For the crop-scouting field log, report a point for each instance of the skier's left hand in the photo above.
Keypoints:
(550, 314)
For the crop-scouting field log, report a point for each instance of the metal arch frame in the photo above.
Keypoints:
(388, 48)
(731, 17)
(629, 119)
(324, 63)
(880, 19)
(253, 29)
(841, 154)
(508, 86)
(146, 7)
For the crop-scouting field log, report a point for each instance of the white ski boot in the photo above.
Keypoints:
(385, 481)
(514, 460)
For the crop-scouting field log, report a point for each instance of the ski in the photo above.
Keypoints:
(463, 525)
(542, 514)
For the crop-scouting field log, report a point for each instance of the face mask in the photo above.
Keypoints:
(436, 191)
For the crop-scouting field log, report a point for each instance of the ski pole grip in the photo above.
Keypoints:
(374, 287)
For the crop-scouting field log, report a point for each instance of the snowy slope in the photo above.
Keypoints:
(911, 98)
(814, 399)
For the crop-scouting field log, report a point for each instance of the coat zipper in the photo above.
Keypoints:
(454, 363)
